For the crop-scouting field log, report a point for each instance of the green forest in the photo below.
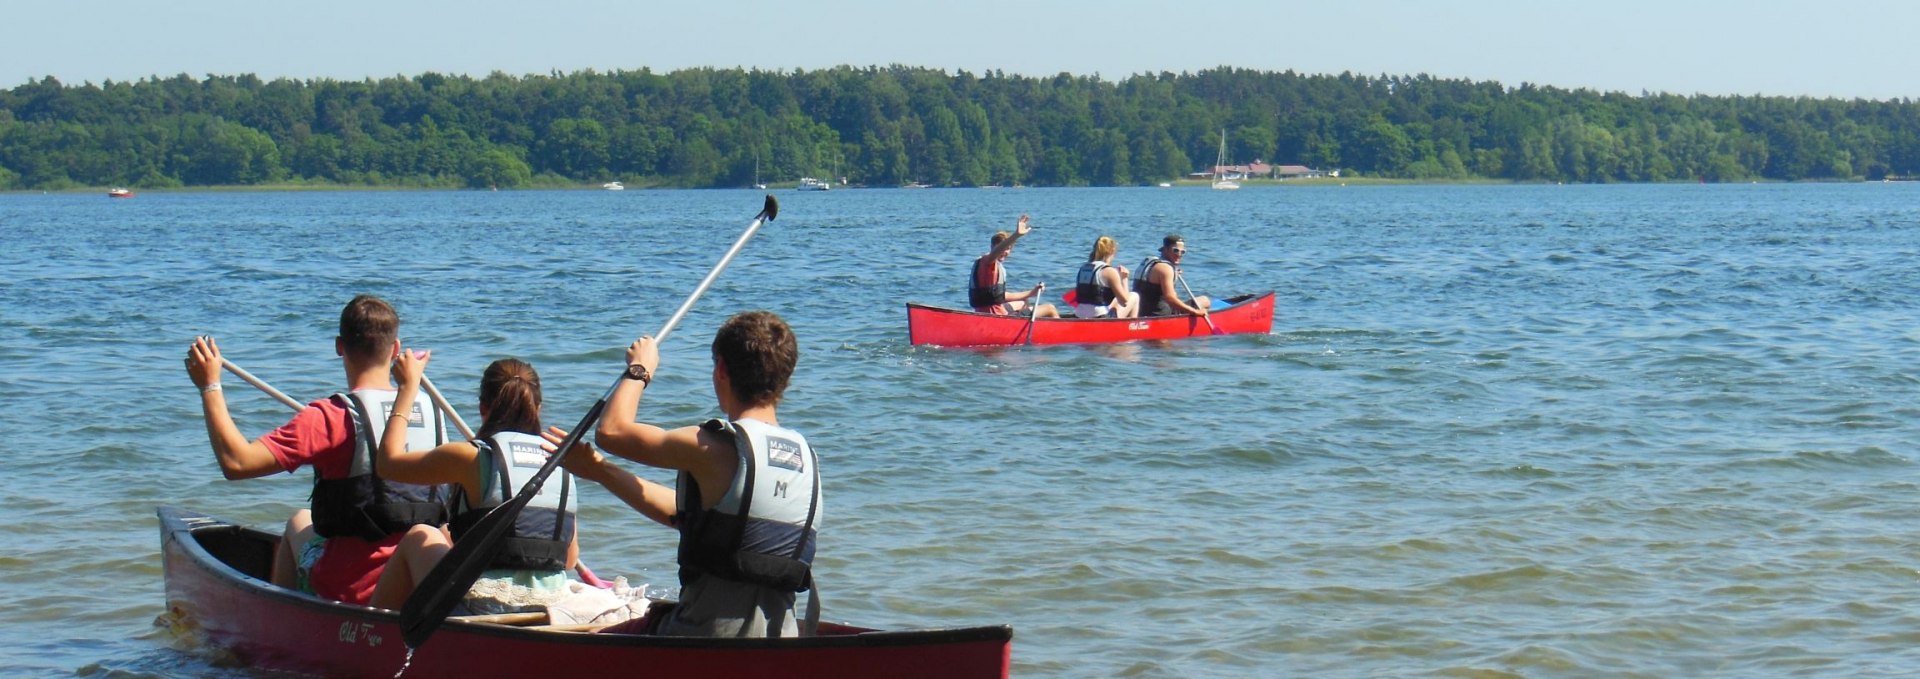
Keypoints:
(888, 126)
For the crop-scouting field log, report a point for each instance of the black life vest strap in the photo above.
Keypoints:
(810, 625)
(746, 491)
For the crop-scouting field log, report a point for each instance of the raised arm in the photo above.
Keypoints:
(710, 460)
(238, 457)
(640, 442)
(1020, 228)
(448, 463)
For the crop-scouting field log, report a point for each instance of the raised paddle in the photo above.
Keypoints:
(449, 580)
(1208, 318)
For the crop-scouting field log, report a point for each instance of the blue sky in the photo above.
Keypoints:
(1842, 48)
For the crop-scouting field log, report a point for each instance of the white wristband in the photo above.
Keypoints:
(210, 388)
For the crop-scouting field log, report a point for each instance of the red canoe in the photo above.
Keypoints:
(957, 328)
(216, 592)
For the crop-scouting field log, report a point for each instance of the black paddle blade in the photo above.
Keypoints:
(448, 582)
(770, 210)
(450, 579)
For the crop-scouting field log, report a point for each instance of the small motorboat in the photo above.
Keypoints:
(965, 328)
(613, 186)
(218, 594)
(117, 192)
(811, 184)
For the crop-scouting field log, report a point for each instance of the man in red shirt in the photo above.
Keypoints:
(343, 567)
(987, 285)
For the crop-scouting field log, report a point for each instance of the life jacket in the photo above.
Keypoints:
(982, 294)
(762, 532)
(544, 529)
(1090, 288)
(364, 505)
(1151, 302)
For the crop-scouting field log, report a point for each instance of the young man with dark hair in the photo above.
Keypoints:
(1155, 284)
(747, 498)
(337, 547)
(987, 283)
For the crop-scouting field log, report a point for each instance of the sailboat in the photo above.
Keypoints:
(756, 173)
(1220, 180)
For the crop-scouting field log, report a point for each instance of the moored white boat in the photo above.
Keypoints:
(613, 186)
(1222, 180)
(811, 184)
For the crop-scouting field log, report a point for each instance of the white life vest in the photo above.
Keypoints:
(544, 529)
(763, 530)
(363, 504)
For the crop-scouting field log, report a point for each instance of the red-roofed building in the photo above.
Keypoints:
(1260, 168)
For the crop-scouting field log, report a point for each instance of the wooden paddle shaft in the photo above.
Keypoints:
(445, 407)
(438, 400)
(255, 381)
(1183, 285)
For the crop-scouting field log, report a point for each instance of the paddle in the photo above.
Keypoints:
(449, 580)
(438, 400)
(445, 407)
(1033, 311)
(1208, 318)
(255, 381)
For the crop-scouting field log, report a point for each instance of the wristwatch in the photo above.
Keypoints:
(636, 371)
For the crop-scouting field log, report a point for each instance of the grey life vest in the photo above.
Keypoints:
(543, 530)
(363, 504)
(763, 530)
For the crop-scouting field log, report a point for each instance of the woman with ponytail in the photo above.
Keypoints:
(1100, 288)
(532, 570)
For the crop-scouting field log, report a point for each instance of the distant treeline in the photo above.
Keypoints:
(895, 125)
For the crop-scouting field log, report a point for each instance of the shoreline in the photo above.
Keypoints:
(1174, 184)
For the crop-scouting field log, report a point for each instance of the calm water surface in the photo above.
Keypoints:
(1497, 431)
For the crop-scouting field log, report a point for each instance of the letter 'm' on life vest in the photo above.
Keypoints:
(763, 529)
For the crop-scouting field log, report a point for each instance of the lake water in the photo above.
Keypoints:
(1539, 431)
